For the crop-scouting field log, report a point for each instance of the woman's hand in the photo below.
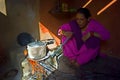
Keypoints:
(68, 34)
(90, 34)
(85, 37)
(97, 35)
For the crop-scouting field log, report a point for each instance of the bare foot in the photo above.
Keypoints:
(77, 65)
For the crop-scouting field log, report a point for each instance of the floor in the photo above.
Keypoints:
(107, 68)
(12, 70)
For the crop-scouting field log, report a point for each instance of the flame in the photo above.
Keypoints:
(36, 67)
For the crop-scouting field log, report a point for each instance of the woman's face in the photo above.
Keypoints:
(81, 20)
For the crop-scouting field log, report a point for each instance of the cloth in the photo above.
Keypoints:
(75, 48)
(76, 33)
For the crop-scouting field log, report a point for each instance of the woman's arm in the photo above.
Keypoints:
(94, 34)
(68, 34)
(100, 31)
(65, 30)
(90, 34)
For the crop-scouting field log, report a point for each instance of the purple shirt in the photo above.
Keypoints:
(84, 54)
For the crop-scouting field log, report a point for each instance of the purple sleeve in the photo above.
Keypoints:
(100, 29)
(67, 48)
(65, 27)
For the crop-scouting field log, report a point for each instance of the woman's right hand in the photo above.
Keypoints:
(85, 37)
(68, 34)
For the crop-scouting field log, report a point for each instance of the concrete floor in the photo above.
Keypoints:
(107, 68)
(7, 71)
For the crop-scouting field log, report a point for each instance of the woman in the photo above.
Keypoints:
(84, 36)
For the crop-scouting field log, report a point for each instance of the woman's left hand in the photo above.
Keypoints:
(88, 35)
(96, 35)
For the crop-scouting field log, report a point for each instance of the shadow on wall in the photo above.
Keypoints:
(3, 56)
(4, 23)
(22, 16)
(3, 30)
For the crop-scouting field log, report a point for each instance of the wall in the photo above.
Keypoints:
(109, 18)
(51, 21)
(24, 15)
(21, 16)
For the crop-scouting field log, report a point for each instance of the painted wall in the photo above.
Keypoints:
(51, 21)
(109, 18)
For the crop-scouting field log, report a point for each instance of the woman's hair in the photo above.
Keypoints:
(84, 11)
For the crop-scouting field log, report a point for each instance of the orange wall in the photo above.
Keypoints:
(51, 21)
